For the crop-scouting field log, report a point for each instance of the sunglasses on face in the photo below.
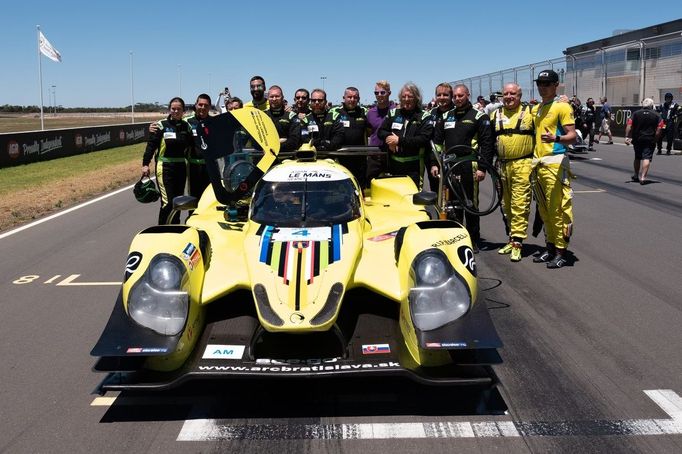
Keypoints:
(544, 84)
(302, 97)
(379, 93)
(256, 87)
(317, 100)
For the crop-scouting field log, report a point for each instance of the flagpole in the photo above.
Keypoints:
(40, 77)
(132, 95)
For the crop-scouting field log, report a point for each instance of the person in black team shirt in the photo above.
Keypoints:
(323, 131)
(287, 124)
(406, 133)
(353, 119)
(642, 130)
(464, 125)
(169, 146)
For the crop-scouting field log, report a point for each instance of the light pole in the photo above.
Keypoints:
(180, 81)
(132, 93)
(54, 100)
(323, 78)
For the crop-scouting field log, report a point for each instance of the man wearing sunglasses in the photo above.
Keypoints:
(375, 116)
(302, 109)
(325, 133)
(257, 88)
(554, 131)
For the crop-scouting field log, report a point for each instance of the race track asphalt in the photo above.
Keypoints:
(581, 345)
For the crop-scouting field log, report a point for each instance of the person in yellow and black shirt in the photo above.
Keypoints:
(513, 132)
(406, 133)
(287, 124)
(466, 126)
(257, 87)
(169, 146)
(554, 131)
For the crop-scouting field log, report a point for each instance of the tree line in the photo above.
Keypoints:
(139, 107)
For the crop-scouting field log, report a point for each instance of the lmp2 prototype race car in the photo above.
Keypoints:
(289, 270)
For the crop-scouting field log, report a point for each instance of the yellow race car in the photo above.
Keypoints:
(289, 270)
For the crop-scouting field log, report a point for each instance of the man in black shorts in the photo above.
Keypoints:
(642, 130)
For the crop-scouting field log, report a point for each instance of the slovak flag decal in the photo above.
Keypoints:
(375, 349)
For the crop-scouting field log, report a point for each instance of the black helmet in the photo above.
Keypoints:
(668, 95)
(145, 191)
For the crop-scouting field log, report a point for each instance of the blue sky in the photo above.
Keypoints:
(291, 44)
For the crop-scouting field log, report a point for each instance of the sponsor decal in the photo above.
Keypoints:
(146, 350)
(13, 149)
(385, 236)
(188, 251)
(289, 366)
(217, 351)
(194, 259)
(466, 256)
(433, 345)
(294, 173)
(376, 349)
(453, 344)
(453, 240)
(134, 259)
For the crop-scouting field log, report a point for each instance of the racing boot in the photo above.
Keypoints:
(506, 249)
(516, 251)
(546, 256)
(559, 259)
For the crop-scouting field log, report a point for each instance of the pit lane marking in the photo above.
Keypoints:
(667, 400)
(586, 191)
(67, 281)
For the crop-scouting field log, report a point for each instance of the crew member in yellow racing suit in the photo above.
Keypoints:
(170, 145)
(513, 132)
(554, 131)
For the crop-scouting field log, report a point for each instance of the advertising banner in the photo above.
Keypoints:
(18, 148)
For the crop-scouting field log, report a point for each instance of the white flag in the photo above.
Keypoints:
(47, 49)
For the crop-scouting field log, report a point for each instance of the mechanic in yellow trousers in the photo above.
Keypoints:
(513, 132)
(554, 131)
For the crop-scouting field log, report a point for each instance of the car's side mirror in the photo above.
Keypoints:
(424, 198)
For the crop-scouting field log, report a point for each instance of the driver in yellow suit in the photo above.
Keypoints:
(513, 132)
(554, 131)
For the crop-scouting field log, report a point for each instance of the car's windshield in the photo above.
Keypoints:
(305, 203)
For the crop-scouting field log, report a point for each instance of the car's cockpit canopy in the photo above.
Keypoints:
(305, 196)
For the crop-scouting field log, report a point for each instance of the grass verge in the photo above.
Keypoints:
(33, 190)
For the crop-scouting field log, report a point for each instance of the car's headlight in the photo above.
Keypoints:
(440, 295)
(158, 300)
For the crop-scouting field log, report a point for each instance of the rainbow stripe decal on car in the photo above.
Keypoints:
(304, 252)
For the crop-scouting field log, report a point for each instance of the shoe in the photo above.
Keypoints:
(516, 252)
(506, 249)
(557, 262)
(634, 179)
(643, 182)
(544, 257)
(590, 149)
(610, 142)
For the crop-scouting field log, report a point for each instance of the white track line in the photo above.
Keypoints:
(214, 430)
(62, 213)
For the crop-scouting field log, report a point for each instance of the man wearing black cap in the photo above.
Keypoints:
(669, 111)
(554, 131)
